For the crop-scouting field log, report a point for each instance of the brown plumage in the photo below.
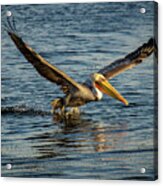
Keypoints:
(130, 60)
(44, 68)
(77, 94)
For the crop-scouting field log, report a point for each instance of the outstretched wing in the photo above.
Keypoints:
(130, 60)
(44, 68)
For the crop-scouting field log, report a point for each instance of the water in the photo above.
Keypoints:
(109, 140)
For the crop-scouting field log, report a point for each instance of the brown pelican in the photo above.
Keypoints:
(92, 89)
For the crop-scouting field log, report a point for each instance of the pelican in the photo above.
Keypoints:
(93, 88)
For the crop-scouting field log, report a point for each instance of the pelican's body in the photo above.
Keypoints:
(75, 99)
(92, 89)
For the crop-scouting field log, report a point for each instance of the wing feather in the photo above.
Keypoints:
(44, 68)
(130, 60)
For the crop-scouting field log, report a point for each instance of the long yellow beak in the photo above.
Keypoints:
(107, 88)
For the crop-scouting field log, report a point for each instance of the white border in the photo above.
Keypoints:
(56, 182)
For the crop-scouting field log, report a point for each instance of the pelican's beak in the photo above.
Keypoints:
(107, 88)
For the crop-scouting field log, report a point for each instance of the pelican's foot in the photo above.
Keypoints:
(64, 115)
(74, 113)
(58, 117)
(75, 110)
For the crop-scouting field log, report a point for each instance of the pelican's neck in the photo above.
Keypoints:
(98, 93)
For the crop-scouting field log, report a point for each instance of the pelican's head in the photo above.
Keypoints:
(101, 83)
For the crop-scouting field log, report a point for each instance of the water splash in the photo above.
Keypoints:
(23, 110)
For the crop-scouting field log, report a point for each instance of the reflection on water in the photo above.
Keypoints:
(108, 140)
(73, 135)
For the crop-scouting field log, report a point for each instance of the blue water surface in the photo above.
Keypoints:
(109, 140)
